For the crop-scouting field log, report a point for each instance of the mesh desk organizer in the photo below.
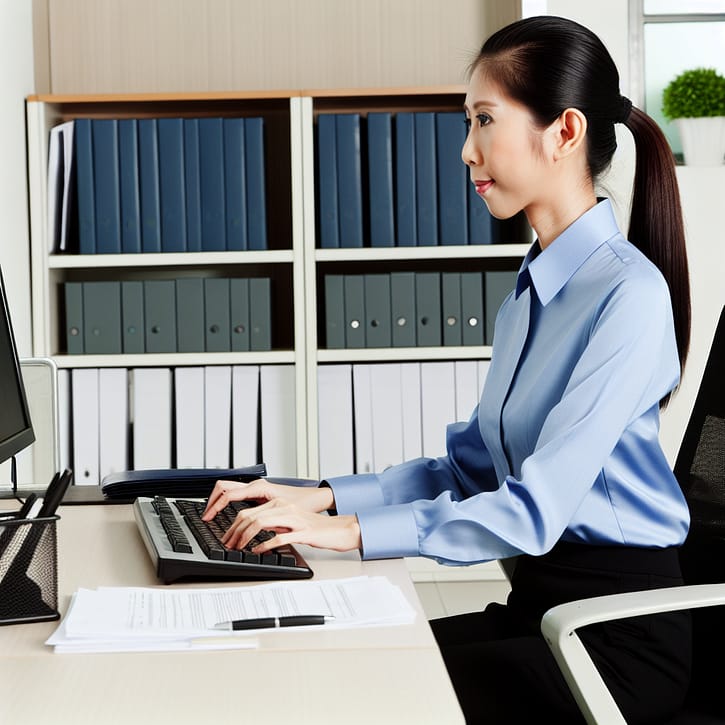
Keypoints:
(28, 569)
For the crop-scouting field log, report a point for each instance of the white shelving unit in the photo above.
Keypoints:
(293, 257)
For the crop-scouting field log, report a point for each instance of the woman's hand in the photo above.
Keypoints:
(307, 498)
(292, 525)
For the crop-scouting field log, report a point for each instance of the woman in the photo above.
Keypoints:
(560, 464)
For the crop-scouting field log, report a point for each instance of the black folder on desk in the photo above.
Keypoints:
(174, 482)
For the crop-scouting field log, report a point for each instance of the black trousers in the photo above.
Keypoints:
(502, 669)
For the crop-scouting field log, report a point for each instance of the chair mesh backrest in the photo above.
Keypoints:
(700, 466)
(700, 469)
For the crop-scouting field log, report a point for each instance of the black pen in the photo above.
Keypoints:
(273, 622)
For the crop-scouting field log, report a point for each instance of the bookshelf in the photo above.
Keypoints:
(293, 260)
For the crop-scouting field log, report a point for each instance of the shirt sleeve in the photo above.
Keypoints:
(452, 509)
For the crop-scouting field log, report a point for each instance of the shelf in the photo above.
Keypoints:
(390, 354)
(169, 259)
(275, 357)
(474, 251)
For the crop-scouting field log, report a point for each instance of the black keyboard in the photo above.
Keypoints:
(182, 546)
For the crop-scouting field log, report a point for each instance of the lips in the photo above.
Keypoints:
(482, 186)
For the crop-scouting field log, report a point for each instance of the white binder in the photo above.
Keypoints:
(86, 426)
(466, 388)
(245, 415)
(279, 430)
(438, 390)
(387, 412)
(189, 402)
(410, 395)
(364, 460)
(334, 394)
(217, 415)
(113, 420)
(151, 396)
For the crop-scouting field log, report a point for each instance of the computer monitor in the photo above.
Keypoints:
(16, 429)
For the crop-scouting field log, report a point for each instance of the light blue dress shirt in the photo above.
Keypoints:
(564, 442)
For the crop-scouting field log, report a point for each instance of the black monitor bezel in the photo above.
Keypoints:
(25, 436)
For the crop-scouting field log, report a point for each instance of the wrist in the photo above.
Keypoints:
(326, 497)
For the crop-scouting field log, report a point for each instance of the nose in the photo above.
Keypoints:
(469, 153)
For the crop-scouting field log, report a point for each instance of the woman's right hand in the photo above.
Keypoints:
(308, 498)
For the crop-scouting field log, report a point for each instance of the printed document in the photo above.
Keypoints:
(155, 618)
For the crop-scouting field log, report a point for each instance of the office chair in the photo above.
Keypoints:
(700, 470)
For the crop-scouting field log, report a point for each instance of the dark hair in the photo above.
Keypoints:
(550, 64)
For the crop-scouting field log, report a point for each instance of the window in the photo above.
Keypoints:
(668, 38)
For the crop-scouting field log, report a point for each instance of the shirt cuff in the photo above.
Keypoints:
(388, 532)
(356, 492)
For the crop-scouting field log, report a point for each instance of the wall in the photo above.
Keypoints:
(115, 46)
(16, 82)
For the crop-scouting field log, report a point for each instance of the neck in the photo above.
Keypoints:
(549, 223)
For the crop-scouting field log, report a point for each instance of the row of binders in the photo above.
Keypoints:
(157, 185)
(114, 419)
(189, 314)
(389, 180)
(373, 416)
(413, 309)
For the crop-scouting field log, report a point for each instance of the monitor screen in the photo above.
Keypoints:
(16, 430)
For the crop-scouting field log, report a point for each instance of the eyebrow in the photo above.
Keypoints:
(480, 104)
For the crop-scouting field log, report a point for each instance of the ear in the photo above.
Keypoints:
(568, 133)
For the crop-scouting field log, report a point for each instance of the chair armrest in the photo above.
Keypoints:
(560, 623)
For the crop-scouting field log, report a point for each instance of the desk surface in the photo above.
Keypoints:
(378, 675)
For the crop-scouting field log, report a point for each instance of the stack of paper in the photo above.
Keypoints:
(116, 619)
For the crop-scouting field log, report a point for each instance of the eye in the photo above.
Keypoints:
(483, 119)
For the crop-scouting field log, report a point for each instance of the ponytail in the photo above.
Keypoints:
(655, 225)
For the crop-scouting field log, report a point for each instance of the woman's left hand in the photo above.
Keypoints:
(292, 525)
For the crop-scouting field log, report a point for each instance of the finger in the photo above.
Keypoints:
(221, 496)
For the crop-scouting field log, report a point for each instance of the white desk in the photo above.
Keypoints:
(381, 675)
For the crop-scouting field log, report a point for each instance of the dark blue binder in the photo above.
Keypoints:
(148, 164)
(211, 173)
(129, 178)
(171, 184)
(192, 185)
(329, 228)
(405, 180)
(380, 179)
(426, 184)
(235, 183)
(106, 177)
(349, 180)
(453, 179)
(85, 186)
(256, 192)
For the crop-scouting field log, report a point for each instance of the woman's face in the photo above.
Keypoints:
(504, 151)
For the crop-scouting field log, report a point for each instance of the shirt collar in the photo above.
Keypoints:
(549, 270)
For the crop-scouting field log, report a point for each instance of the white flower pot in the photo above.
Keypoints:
(703, 140)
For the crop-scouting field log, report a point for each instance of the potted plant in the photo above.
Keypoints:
(695, 101)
